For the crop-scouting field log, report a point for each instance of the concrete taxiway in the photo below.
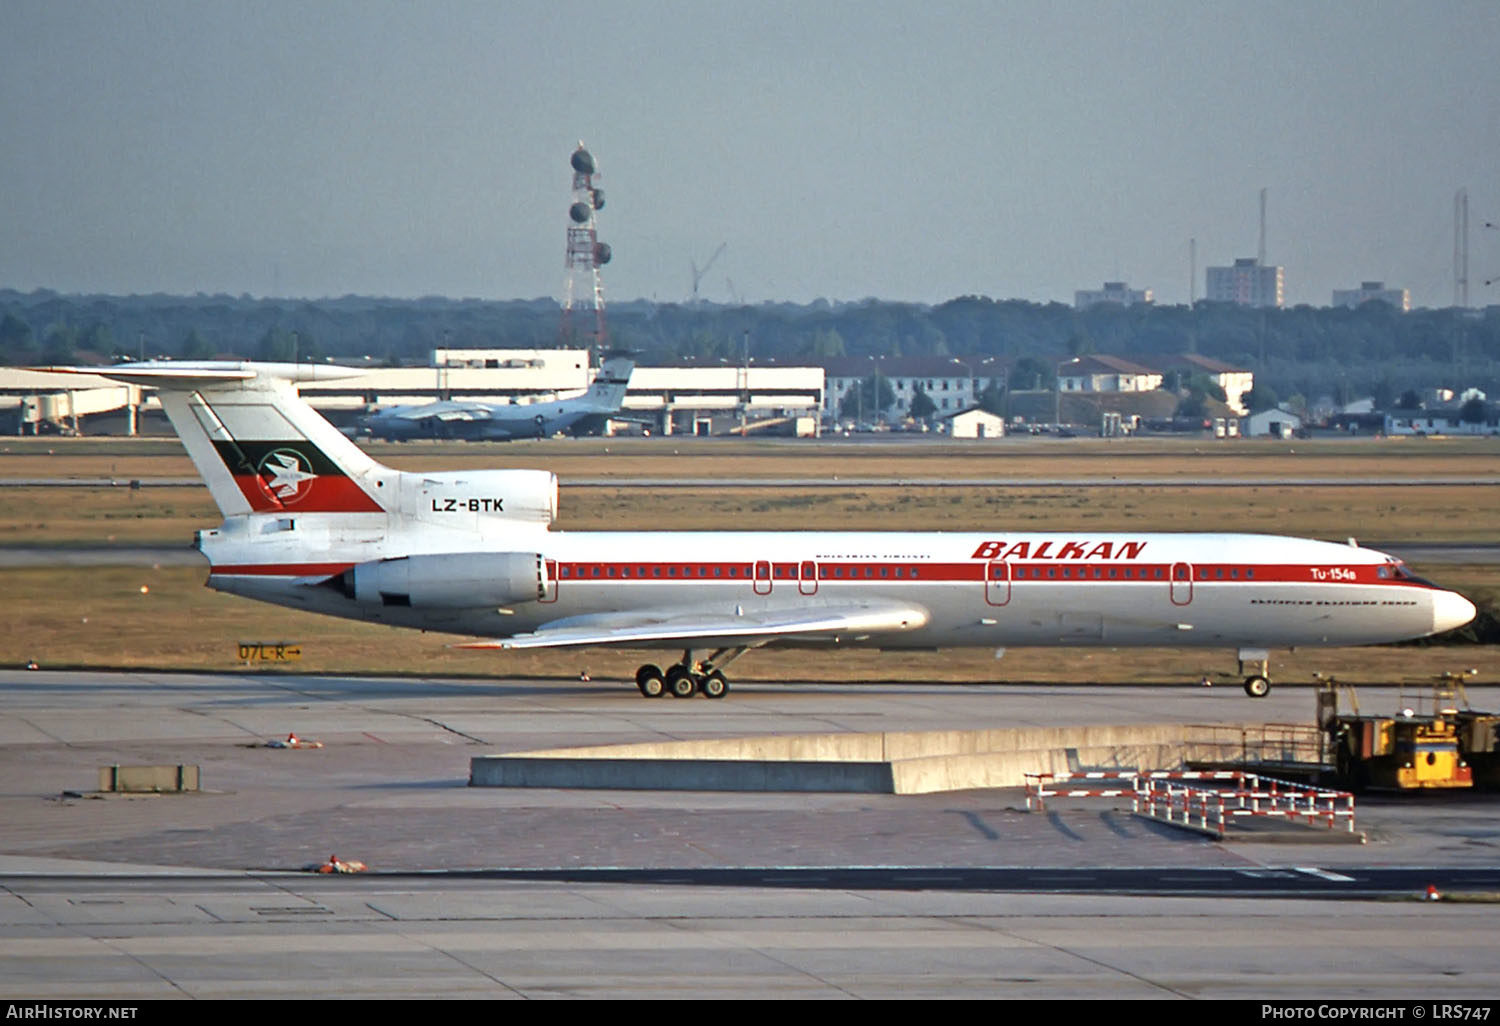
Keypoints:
(535, 892)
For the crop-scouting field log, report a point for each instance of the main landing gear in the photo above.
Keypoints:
(1258, 682)
(689, 677)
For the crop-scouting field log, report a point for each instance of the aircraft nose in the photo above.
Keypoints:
(1450, 610)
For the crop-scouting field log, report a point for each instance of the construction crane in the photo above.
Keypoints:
(699, 273)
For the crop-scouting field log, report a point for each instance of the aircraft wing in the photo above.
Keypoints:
(740, 627)
(446, 412)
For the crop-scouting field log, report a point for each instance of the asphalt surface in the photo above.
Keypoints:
(532, 893)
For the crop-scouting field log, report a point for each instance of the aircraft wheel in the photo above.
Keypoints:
(1257, 686)
(650, 681)
(681, 683)
(714, 685)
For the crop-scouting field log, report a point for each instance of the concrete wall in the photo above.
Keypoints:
(890, 762)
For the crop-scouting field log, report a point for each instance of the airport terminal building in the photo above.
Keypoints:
(707, 400)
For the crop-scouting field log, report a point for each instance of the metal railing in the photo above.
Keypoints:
(1206, 800)
(1261, 743)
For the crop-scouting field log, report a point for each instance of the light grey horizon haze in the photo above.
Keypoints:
(886, 148)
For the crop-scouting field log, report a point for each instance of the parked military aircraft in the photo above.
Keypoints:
(472, 420)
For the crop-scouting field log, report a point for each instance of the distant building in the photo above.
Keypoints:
(1106, 374)
(1248, 283)
(951, 383)
(974, 423)
(1233, 380)
(1373, 290)
(1271, 423)
(1441, 422)
(1116, 292)
(673, 399)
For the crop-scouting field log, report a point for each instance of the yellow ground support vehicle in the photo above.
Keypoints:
(1414, 749)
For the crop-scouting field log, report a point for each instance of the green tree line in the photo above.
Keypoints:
(1372, 350)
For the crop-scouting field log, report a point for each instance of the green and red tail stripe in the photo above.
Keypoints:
(292, 476)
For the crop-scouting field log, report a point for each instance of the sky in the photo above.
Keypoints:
(893, 149)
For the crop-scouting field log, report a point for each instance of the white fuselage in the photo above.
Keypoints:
(975, 589)
(315, 523)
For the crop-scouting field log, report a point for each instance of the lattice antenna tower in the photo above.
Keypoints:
(1461, 248)
(586, 254)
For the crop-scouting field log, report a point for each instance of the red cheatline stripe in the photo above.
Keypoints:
(327, 493)
(925, 573)
(278, 569)
(1022, 573)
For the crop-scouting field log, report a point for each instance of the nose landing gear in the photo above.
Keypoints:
(1258, 680)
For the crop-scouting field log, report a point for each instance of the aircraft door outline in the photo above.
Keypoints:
(546, 584)
(807, 577)
(997, 582)
(1182, 584)
(762, 581)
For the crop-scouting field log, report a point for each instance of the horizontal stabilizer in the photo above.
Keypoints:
(189, 375)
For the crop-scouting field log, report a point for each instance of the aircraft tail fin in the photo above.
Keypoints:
(258, 445)
(607, 393)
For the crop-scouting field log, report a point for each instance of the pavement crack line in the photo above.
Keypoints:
(440, 725)
(686, 926)
(443, 953)
(45, 733)
(1017, 935)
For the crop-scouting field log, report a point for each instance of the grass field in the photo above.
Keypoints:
(99, 617)
(893, 457)
(169, 516)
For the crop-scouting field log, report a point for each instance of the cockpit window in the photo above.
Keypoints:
(1401, 573)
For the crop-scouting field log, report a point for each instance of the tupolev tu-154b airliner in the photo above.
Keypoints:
(314, 523)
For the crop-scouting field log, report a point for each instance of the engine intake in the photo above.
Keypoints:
(453, 580)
